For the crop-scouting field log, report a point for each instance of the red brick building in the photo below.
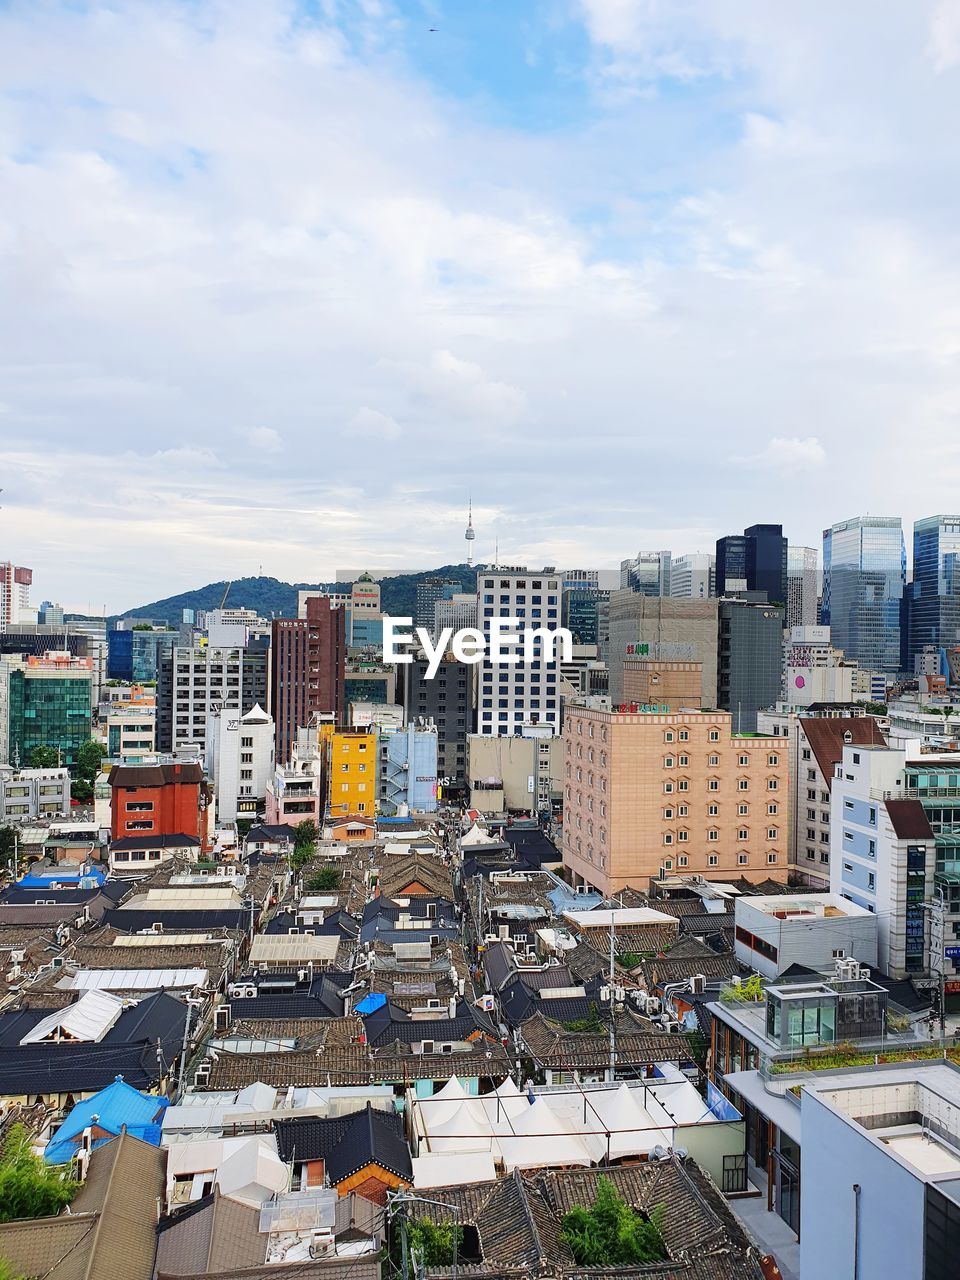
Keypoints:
(152, 800)
(308, 660)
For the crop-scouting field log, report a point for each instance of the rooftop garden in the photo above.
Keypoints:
(836, 1057)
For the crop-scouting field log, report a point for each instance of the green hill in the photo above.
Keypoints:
(272, 598)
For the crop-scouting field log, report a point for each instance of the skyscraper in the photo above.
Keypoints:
(648, 573)
(749, 660)
(864, 570)
(15, 584)
(307, 664)
(801, 587)
(935, 600)
(693, 577)
(755, 560)
(516, 696)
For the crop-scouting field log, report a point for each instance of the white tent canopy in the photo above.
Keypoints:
(88, 1020)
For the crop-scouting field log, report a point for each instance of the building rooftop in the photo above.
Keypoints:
(806, 906)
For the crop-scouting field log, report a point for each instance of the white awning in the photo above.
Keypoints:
(89, 1020)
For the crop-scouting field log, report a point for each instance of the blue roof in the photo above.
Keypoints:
(117, 1106)
(565, 899)
(94, 876)
(370, 1004)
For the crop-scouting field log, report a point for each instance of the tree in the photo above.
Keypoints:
(307, 832)
(612, 1234)
(301, 855)
(326, 880)
(434, 1242)
(89, 758)
(8, 843)
(28, 1187)
(43, 758)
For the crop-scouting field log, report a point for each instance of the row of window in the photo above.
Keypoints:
(743, 833)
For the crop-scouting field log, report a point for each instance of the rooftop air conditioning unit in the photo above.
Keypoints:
(426, 1046)
(203, 1072)
(865, 972)
(321, 1242)
(653, 1005)
(674, 1027)
(221, 1017)
(698, 984)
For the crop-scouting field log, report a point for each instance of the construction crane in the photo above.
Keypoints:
(226, 592)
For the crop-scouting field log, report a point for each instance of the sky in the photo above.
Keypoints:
(284, 285)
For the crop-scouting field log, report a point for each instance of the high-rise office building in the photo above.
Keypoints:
(429, 591)
(648, 573)
(447, 701)
(693, 577)
(44, 702)
(755, 560)
(514, 695)
(15, 583)
(307, 665)
(935, 597)
(802, 587)
(193, 682)
(749, 660)
(864, 571)
(366, 618)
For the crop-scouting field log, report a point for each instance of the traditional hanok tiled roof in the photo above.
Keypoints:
(638, 1043)
(518, 1222)
(396, 874)
(667, 969)
(635, 938)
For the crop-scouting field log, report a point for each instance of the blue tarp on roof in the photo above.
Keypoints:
(370, 1004)
(117, 1106)
(86, 877)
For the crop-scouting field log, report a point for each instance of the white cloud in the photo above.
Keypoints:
(265, 439)
(787, 454)
(371, 424)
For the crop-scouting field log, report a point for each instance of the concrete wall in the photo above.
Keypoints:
(676, 630)
(835, 1156)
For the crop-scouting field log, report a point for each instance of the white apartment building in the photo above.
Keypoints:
(15, 583)
(28, 794)
(240, 760)
(693, 577)
(883, 851)
(511, 697)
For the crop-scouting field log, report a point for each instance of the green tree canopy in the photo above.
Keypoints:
(326, 880)
(28, 1187)
(612, 1234)
(307, 832)
(43, 758)
(434, 1242)
(89, 758)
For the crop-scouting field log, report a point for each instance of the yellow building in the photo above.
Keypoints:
(351, 756)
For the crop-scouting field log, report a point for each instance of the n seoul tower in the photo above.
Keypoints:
(470, 535)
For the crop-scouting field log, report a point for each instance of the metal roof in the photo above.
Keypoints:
(136, 979)
(293, 948)
(89, 1019)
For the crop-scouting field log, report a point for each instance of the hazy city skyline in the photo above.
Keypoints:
(632, 276)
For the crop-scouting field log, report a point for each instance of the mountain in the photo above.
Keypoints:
(272, 598)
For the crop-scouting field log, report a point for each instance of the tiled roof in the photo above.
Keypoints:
(154, 775)
(347, 1143)
(826, 738)
(637, 938)
(637, 1043)
(909, 820)
(109, 1233)
(679, 969)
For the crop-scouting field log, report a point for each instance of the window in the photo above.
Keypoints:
(668, 814)
(742, 859)
(743, 761)
(668, 762)
(668, 837)
(713, 761)
(683, 785)
(668, 736)
(713, 834)
(743, 810)
(743, 784)
(682, 860)
(712, 810)
(713, 784)
(743, 834)
(772, 833)
(668, 787)
(683, 836)
(684, 735)
(773, 761)
(771, 858)
(773, 785)
(682, 811)
(712, 859)
(683, 761)
(772, 808)
(714, 735)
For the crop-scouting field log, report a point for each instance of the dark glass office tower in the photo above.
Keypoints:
(755, 560)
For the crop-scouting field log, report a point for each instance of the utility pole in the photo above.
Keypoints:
(613, 1005)
(182, 1075)
(936, 909)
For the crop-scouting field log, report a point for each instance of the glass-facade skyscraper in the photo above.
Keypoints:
(935, 600)
(864, 571)
(755, 560)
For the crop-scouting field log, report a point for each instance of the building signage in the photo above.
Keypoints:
(952, 953)
(638, 650)
(645, 708)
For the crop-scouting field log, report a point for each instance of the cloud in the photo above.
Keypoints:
(787, 454)
(371, 424)
(265, 439)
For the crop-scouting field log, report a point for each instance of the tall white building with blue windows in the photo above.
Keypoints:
(883, 851)
(864, 571)
(513, 697)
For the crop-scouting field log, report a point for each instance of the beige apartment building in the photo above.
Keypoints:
(646, 792)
